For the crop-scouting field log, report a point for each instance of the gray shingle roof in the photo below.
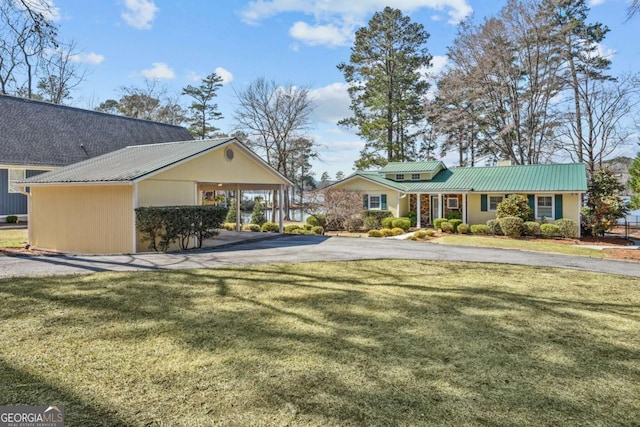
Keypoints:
(128, 164)
(34, 133)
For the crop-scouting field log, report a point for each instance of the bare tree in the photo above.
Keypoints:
(60, 74)
(633, 9)
(273, 117)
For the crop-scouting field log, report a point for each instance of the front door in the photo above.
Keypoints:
(435, 208)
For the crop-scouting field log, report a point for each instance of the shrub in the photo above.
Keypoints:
(463, 228)
(420, 234)
(413, 218)
(375, 233)
(371, 223)
(291, 228)
(446, 227)
(257, 215)
(404, 223)
(231, 213)
(549, 230)
(568, 228)
(454, 224)
(317, 220)
(494, 227)
(454, 215)
(376, 214)
(11, 219)
(387, 232)
(511, 225)
(397, 231)
(438, 222)
(531, 228)
(270, 227)
(411, 237)
(251, 227)
(353, 224)
(479, 229)
(430, 232)
(387, 222)
(229, 226)
(515, 205)
(317, 230)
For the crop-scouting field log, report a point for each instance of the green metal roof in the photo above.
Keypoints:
(500, 179)
(127, 164)
(412, 167)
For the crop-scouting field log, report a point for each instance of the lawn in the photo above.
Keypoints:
(13, 238)
(353, 343)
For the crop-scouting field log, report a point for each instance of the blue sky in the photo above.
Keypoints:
(296, 42)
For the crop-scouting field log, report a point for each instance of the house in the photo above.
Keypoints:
(434, 191)
(89, 207)
(36, 137)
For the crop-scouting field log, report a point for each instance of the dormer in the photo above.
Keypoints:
(411, 171)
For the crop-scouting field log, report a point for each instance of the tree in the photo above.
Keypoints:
(273, 117)
(604, 205)
(339, 176)
(634, 182)
(633, 9)
(60, 74)
(150, 102)
(202, 109)
(386, 87)
(340, 205)
(324, 179)
(257, 216)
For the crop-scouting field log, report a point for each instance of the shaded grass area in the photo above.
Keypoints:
(528, 245)
(348, 343)
(13, 238)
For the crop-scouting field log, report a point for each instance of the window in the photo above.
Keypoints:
(452, 203)
(544, 207)
(399, 177)
(415, 176)
(15, 175)
(374, 202)
(494, 201)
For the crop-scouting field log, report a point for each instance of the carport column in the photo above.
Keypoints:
(280, 209)
(579, 215)
(238, 197)
(440, 205)
(418, 209)
(134, 203)
(464, 208)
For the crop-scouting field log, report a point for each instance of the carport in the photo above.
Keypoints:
(89, 207)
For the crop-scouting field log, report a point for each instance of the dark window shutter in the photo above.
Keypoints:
(365, 199)
(558, 206)
(483, 202)
(383, 202)
(532, 202)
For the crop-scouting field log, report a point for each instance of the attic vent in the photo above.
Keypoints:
(228, 154)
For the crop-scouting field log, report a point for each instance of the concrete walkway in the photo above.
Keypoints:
(235, 250)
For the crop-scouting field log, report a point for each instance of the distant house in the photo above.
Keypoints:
(36, 137)
(434, 191)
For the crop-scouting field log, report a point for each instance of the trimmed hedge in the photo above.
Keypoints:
(397, 231)
(567, 228)
(377, 214)
(251, 227)
(404, 223)
(531, 228)
(463, 228)
(163, 226)
(454, 224)
(446, 227)
(270, 227)
(420, 234)
(494, 227)
(317, 230)
(290, 228)
(438, 222)
(550, 230)
(511, 225)
(11, 219)
(387, 222)
(387, 232)
(371, 223)
(318, 220)
(375, 233)
(479, 229)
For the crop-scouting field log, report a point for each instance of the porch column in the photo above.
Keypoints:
(280, 208)
(440, 205)
(418, 211)
(238, 197)
(464, 208)
(579, 215)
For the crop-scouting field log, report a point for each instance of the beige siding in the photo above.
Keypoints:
(570, 206)
(82, 219)
(214, 167)
(397, 205)
(155, 192)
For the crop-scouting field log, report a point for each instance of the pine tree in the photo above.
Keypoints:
(202, 109)
(634, 182)
(257, 216)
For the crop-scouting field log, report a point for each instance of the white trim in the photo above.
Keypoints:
(29, 167)
(457, 205)
(489, 196)
(553, 207)
(12, 188)
(351, 178)
(75, 184)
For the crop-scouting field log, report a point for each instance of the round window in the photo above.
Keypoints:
(228, 154)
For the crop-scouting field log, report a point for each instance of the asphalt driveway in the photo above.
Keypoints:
(302, 248)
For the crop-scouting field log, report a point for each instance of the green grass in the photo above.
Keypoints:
(11, 238)
(528, 245)
(353, 343)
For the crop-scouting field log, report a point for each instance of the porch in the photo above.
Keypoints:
(429, 206)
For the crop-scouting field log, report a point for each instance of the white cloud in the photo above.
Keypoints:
(46, 7)
(438, 64)
(313, 35)
(88, 58)
(159, 71)
(139, 13)
(226, 75)
(593, 3)
(193, 77)
(334, 21)
(331, 102)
